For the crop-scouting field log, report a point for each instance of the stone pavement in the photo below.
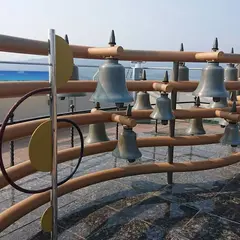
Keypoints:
(199, 205)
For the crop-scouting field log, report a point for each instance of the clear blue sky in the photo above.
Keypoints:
(138, 24)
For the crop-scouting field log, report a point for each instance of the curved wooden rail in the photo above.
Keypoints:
(24, 169)
(21, 130)
(29, 46)
(22, 208)
(18, 89)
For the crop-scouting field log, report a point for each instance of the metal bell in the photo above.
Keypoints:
(75, 76)
(221, 104)
(96, 132)
(127, 144)
(111, 86)
(163, 110)
(183, 72)
(231, 73)
(231, 134)
(212, 80)
(196, 124)
(142, 98)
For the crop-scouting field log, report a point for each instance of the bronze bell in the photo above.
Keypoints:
(231, 134)
(212, 80)
(75, 76)
(96, 132)
(142, 98)
(127, 145)
(111, 85)
(163, 109)
(196, 124)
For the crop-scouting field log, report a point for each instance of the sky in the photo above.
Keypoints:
(138, 24)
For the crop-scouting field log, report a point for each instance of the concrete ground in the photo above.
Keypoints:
(199, 205)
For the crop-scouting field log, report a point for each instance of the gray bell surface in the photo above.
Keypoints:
(142, 101)
(111, 86)
(221, 104)
(97, 133)
(183, 70)
(196, 127)
(223, 123)
(163, 110)
(127, 146)
(231, 135)
(212, 82)
(75, 76)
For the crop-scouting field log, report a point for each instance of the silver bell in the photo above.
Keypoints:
(96, 133)
(163, 110)
(127, 146)
(127, 143)
(212, 80)
(183, 70)
(111, 85)
(196, 124)
(231, 135)
(221, 104)
(142, 98)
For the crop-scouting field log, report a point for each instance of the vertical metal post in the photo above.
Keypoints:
(12, 146)
(156, 126)
(172, 122)
(53, 117)
(72, 107)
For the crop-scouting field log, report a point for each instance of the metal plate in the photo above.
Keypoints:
(40, 147)
(64, 62)
(46, 220)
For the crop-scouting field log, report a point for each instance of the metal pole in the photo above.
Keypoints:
(72, 106)
(12, 146)
(156, 126)
(53, 117)
(172, 122)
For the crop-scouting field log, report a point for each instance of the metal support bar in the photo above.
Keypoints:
(53, 117)
(156, 126)
(12, 145)
(72, 108)
(172, 122)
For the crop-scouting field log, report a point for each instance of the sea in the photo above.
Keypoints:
(9, 72)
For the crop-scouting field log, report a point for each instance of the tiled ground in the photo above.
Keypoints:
(199, 205)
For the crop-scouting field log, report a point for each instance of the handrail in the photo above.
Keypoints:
(29, 46)
(75, 86)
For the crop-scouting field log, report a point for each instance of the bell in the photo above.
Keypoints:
(196, 124)
(231, 134)
(212, 80)
(142, 99)
(221, 104)
(111, 86)
(127, 144)
(231, 73)
(96, 132)
(75, 76)
(163, 110)
(183, 71)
